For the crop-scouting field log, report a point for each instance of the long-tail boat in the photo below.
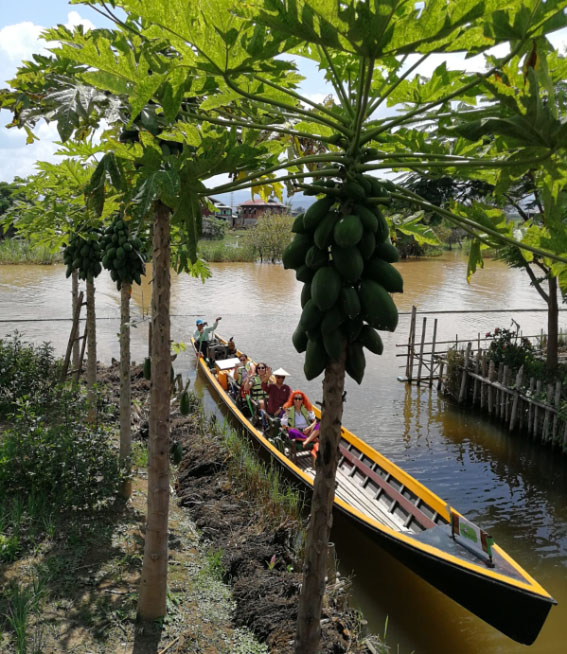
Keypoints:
(408, 520)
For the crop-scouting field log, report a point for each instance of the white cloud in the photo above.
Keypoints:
(18, 43)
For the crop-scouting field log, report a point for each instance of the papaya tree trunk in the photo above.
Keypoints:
(153, 584)
(125, 390)
(75, 300)
(91, 347)
(552, 325)
(308, 631)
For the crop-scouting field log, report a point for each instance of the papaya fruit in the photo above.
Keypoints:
(333, 342)
(382, 230)
(352, 329)
(184, 405)
(315, 358)
(354, 191)
(299, 339)
(348, 262)
(332, 319)
(370, 339)
(377, 188)
(348, 231)
(323, 234)
(367, 217)
(294, 254)
(387, 252)
(304, 274)
(355, 362)
(315, 258)
(305, 294)
(378, 308)
(147, 368)
(316, 212)
(310, 316)
(384, 273)
(298, 227)
(350, 302)
(325, 287)
(367, 245)
(365, 183)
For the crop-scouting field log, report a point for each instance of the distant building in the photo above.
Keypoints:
(218, 210)
(249, 212)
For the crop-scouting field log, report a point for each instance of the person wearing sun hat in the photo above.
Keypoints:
(278, 393)
(202, 334)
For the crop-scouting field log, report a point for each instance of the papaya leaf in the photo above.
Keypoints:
(475, 259)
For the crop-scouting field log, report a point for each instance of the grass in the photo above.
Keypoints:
(232, 247)
(15, 251)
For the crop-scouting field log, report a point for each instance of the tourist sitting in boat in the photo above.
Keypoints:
(299, 419)
(241, 371)
(278, 393)
(253, 384)
(204, 339)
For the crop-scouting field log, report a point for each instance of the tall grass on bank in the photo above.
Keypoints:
(233, 247)
(15, 250)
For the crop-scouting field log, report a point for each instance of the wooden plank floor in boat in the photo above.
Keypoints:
(351, 492)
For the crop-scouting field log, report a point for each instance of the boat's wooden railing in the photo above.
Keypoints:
(398, 499)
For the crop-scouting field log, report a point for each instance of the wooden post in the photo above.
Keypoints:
(420, 364)
(490, 389)
(432, 352)
(536, 408)
(483, 384)
(505, 395)
(556, 403)
(515, 401)
(463, 392)
(440, 380)
(547, 418)
(476, 382)
(411, 342)
(499, 394)
(531, 407)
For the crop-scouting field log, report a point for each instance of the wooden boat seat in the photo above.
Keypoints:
(398, 503)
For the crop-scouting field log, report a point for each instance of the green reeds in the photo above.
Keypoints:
(232, 248)
(282, 503)
(16, 251)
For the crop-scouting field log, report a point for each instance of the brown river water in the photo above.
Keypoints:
(512, 487)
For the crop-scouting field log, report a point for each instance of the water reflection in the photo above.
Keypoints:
(509, 484)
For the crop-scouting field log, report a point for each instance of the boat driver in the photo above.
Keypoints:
(203, 338)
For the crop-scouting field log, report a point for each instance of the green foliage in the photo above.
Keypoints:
(18, 250)
(509, 348)
(25, 370)
(270, 236)
(214, 228)
(57, 455)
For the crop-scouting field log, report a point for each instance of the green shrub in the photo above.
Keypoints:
(57, 456)
(509, 348)
(25, 370)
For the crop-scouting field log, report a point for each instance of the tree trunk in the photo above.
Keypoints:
(125, 390)
(91, 356)
(153, 584)
(75, 299)
(308, 631)
(552, 325)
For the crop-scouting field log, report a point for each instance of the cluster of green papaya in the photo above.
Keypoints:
(343, 254)
(121, 254)
(83, 254)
